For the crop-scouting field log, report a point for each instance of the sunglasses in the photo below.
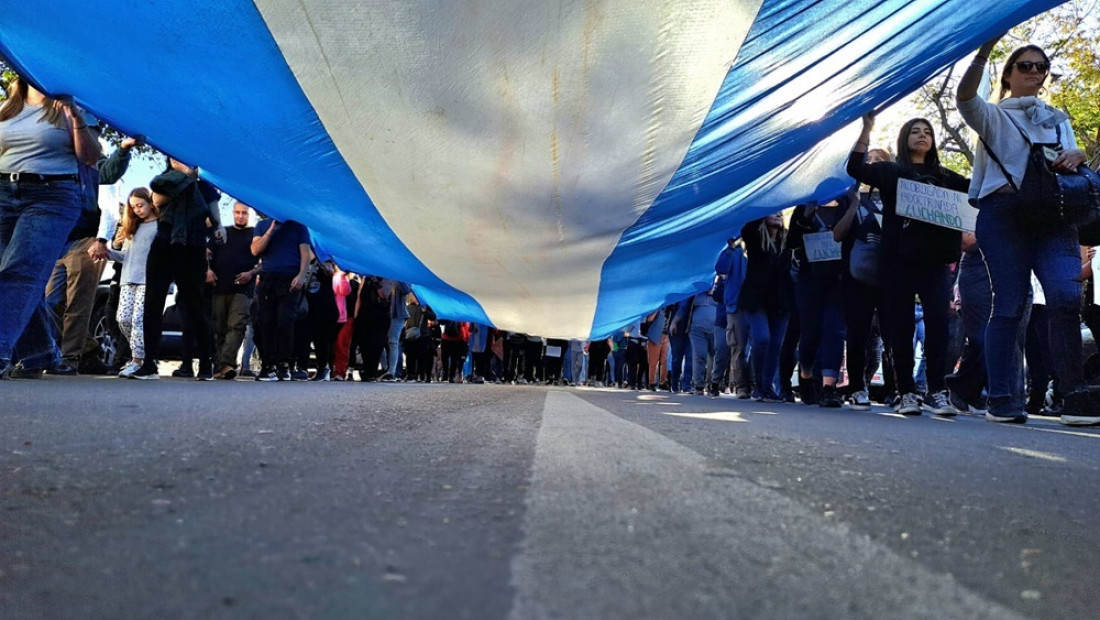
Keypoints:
(1026, 66)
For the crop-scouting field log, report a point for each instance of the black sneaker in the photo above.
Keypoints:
(63, 369)
(147, 372)
(206, 373)
(713, 390)
(267, 375)
(829, 398)
(283, 373)
(26, 373)
(299, 375)
(1080, 408)
(184, 372)
(1001, 410)
(807, 391)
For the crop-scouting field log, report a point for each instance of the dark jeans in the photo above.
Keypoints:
(35, 219)
(598, 351)
(976, 295)
(276, 318)
(860, 303)
(532, 356)
(679, 376)
(821, 308)
(186, 266)
(901, 283)
(766, 333)
(787, 354)
(454, 355)
(371, 335)
(1012, 252)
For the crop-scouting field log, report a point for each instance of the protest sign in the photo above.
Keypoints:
(820, 247)
(935, 205)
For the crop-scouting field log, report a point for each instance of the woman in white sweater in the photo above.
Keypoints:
(1013, 248)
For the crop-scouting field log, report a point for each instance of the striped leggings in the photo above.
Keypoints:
(131, 313)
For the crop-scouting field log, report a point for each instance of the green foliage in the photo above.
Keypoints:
(1070, 35)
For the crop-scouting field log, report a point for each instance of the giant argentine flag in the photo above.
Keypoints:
(557, 167)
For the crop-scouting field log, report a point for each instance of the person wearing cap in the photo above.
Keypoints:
(42, 144)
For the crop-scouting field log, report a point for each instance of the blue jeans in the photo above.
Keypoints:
(977, 303)
(393, 346)
(35, 221)
(737, 338)
(708, 341)
(679, 374)
(1012, 253)
(766, 332)
(821, 308)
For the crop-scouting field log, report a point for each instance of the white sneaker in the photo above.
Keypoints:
(860, 401)
(129, 369)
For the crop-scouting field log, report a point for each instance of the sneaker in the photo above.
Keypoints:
(698, 391)
(5, 369)
(937, 404)
(26, 373)
(247, 373)
(860, 401)
(184, 372)
(714, 391)
(388, 378)
(742, 393)
(63, 369)
(147, 372)
(787, 396)
(283, 373)
(205, 374)
(807, 391)
(909, 404)
(229, 373)
(1080, 408)
(267, 375)
(337, 377)
(324, 374)
(758, 396)
(299, 375)
(829, 397)
(1003, 411)
(130, 368)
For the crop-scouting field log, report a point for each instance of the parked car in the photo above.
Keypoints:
(171, 344)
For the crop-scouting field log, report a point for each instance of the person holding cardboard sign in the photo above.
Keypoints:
(915, 259)
(819, 299)
(1014, 249)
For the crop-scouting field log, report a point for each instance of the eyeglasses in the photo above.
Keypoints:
(1026, 66)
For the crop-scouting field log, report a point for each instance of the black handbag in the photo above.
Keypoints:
(866, 256)
(1049, 197)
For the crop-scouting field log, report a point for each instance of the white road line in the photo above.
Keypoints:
(623, 522)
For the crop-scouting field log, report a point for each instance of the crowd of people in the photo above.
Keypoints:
(786, 317)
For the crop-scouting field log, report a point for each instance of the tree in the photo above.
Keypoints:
(1070, 34)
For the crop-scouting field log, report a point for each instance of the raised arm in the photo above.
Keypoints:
(972, 77)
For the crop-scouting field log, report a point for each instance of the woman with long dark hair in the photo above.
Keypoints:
(915, 260)
(41, 142)
(765, 297)
(1014, 249)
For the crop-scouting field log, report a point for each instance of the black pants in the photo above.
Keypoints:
(860, 303)
(532, 357)
(277, 314)
(454, 356)
(598, 351)
(788, 353)
(513, 356)
(186, 266)
(637, 364)
(902, 282)
(371, 335)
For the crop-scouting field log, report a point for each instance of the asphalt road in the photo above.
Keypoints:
(180, 499)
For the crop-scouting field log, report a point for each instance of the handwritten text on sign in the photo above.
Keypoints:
(935, 205)
(820, 247)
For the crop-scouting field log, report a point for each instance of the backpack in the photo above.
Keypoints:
(866, 256)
